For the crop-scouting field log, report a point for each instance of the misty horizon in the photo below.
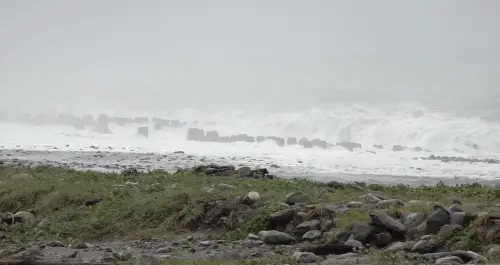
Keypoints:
(251, 55)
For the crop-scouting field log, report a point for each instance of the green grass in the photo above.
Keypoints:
(164, 203)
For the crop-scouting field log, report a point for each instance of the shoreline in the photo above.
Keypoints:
(115, 161)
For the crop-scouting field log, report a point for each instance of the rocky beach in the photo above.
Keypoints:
(224, 214)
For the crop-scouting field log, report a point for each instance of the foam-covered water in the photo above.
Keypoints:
(412, 125)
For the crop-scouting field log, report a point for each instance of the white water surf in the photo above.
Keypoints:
(412, 125)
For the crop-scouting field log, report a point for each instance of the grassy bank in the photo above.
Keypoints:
(93, 206)
(131, 204)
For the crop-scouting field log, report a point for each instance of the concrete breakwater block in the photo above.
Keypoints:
(196, 134)
(102, 124)
(143, 131)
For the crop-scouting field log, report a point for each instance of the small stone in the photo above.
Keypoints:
(326, 225)
(252, 243)
(207, 190)
(275, 237)
(354, 243)
(309, 225)
(44, 223)
(253, 237)
(427, 237)
(436, 220)
(164, 250)
(123, 255)
(395, 247)
(71, 255)
(329, 235)
(205, 243)
(24, 216)
(424, 247)
(312, 235)
(370, 198)
(76, 244)
(253, 196)
(297, 197)
(306, 257)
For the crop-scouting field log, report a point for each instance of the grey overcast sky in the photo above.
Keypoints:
(248, 54)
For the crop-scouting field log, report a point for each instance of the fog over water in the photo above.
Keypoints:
(417, 73)
(267, 55)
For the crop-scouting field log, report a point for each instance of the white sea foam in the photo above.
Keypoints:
(409, 125)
